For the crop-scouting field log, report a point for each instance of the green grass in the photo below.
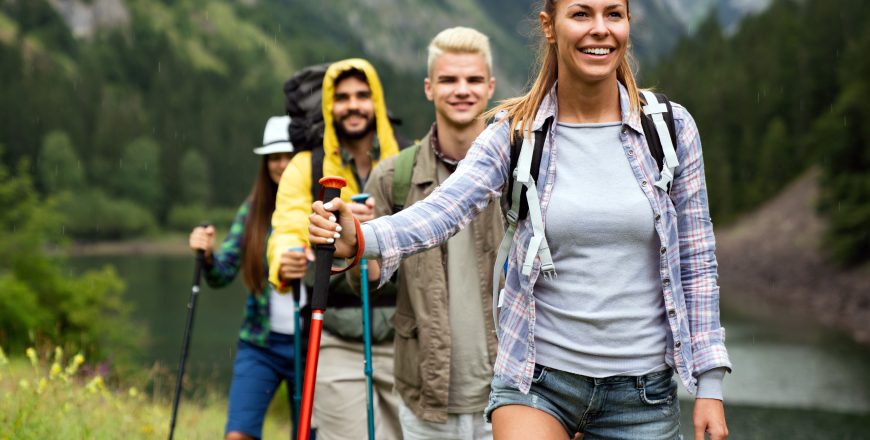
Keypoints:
(43, 400)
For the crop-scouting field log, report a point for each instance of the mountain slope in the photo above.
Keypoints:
(770, 258)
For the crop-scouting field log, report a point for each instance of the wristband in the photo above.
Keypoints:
(360, 248)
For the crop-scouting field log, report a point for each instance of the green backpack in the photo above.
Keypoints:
(402, 176)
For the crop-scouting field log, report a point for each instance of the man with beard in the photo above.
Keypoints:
(357, 135)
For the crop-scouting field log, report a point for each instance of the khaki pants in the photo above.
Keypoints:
(340, 392)
(471, 426)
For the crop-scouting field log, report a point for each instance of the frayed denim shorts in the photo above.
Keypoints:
(618, 407)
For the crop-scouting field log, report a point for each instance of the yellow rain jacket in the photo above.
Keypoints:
(293, 203)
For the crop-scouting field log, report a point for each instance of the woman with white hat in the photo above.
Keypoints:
(266, 349)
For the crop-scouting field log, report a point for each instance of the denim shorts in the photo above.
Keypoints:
(257, 373)
(618, 407)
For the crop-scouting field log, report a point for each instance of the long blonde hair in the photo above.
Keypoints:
(522, 109)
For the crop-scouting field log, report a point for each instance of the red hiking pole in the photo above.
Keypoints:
(322, 270)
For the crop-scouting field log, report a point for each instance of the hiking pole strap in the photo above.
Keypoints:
(655, 109)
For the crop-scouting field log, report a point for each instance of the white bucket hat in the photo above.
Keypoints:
(275, 137)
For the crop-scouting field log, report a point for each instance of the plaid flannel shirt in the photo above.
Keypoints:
(687, 265)
(223, 270)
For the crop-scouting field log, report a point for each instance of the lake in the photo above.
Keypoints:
(792, 379)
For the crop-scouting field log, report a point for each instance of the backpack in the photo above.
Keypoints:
(402, 173)
(303, 103)
(521, 197)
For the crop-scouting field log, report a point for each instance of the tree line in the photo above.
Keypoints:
(159, 122)
(788, 91)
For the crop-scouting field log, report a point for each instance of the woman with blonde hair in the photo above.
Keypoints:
(592, 349)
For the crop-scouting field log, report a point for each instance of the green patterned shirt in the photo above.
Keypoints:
(223, 270)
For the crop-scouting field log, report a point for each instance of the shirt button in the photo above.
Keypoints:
(643, 183)
(663, 250)
(672, 313)
(677, 345)
(666, 282)
(631, 152)
(658, 217)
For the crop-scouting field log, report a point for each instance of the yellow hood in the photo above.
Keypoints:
(331, 147)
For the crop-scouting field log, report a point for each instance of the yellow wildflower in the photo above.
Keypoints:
(147, 429)
(58, 354)
(24, 384)
(31, 354)
(96, 384)
(43, 384)
(74, 364)
(133, 392)
(55, 370)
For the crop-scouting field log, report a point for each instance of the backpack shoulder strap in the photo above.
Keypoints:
(317, 155)
(660, 132)
(402, 173)
(523, 194)
(535, 167)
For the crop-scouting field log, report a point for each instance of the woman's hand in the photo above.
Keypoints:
(294, 263)
(709, 416)
(202, 239)
(322, 229)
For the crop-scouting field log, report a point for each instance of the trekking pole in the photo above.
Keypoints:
(191, 308)
(367, 333)
(296, 285)
(322, 270)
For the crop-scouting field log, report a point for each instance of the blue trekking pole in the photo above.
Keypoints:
(296, 285)
(367, 333)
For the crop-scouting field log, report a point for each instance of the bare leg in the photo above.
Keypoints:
(518, 422)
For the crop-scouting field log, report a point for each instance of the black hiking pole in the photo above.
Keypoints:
(322, 270)
(191, 307)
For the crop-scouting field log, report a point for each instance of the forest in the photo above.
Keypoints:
(156, 115)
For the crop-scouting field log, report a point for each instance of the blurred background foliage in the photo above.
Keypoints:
(140, 119)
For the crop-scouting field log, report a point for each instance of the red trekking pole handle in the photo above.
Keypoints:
(322, 270)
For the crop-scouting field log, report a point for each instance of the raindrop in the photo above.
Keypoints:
(159, 67)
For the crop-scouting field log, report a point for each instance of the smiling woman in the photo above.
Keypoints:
(597, 349)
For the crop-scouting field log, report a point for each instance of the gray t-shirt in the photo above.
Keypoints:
(604, 314)
(470, 371)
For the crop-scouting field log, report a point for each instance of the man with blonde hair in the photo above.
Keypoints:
(445, 342)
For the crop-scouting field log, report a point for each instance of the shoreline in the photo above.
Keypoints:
(164, 245)
(772, 258)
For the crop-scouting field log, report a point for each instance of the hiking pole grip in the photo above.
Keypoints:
(322, 270)
(199, 263)
(323, 252)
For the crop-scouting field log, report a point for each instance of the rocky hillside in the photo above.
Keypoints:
(770, 260)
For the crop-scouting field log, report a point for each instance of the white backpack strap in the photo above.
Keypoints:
(538, 244)
(505, 247)
(654, 109)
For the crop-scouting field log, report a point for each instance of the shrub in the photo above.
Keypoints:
(92, 215)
